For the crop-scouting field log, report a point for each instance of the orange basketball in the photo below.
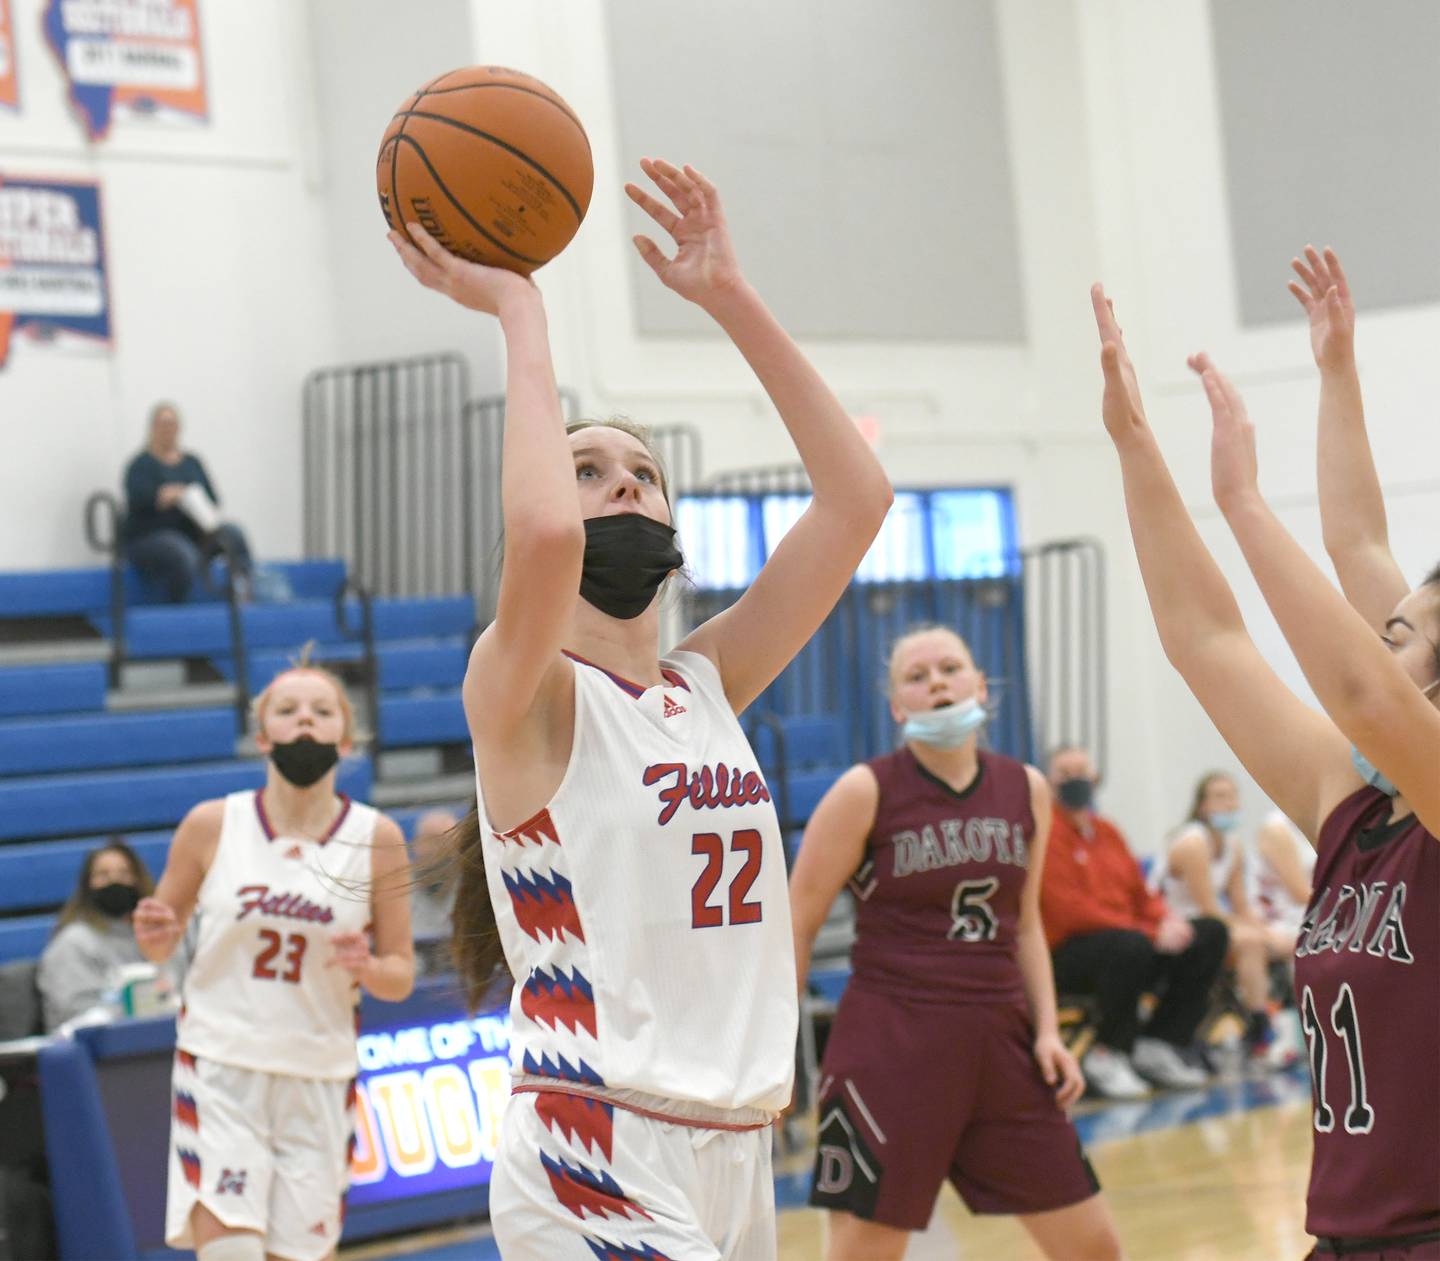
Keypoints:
(492, 163)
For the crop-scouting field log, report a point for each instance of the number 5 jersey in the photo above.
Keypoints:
(644, 911)
(259, 994)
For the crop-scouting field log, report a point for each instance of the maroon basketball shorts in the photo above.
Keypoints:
(914, 1094)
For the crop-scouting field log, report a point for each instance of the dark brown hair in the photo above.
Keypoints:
(1201, 788)
(475, 940)
(78, 905)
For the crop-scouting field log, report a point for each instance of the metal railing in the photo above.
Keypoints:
(384, 470)
(1065, 649)
(102, 506)
(370, 661)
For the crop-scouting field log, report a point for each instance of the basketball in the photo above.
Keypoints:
(492, 163)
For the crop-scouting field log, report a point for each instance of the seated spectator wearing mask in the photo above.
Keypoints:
(1205, 874)
(1114, 938)
(432, 895)
(172, 527)
(93, 935)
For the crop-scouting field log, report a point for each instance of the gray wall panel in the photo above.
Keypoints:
(1331, 126)
(861, 149)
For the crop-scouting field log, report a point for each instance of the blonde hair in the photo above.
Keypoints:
(905, 636)
(303, 664)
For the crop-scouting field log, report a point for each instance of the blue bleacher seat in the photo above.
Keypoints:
(404, 665)
(31, 746)
(203, 630)
(52, 689)
(810, 740)
(24, 937)
(43, 874)
(407, 721)
(81, 592)
(114, 801)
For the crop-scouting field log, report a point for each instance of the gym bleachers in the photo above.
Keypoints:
(80, 763)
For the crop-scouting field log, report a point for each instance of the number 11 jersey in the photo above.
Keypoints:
(644, 912)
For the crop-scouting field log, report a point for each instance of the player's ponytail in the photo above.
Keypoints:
(479, 958)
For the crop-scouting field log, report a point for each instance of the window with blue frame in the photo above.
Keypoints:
(954, 532)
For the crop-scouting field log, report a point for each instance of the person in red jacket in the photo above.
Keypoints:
(1113, 937)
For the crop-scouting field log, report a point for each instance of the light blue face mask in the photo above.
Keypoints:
(948, 727)
(1224, 821)
(1369, 772)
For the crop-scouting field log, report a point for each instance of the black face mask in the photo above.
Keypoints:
(1076, 794)
(114, 900)
(304, 761)
(627, 557)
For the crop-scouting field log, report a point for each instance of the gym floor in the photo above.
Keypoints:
(1190, 1176)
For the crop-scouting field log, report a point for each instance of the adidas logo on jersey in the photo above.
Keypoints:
(319, 1229)
(294, 852)
(672, 708)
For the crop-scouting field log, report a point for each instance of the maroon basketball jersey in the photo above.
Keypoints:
(938, 893)
(1367, 980)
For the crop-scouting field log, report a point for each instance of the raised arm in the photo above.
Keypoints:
(544, 533)
(831, 850)
(1352, 511)
(1363, 686)
(753, 640)
(1293, 753)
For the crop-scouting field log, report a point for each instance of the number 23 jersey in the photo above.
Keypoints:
(644, 911)
(258, 993)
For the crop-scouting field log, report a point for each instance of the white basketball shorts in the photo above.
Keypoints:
(263, 1152)
(577, 1179)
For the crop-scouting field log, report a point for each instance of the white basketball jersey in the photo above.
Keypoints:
(1222, 866)
(1272, 898)
(258, 994)
(644, 911)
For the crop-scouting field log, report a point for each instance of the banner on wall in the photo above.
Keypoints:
(53, 286)
(9, 84)
(129, 59)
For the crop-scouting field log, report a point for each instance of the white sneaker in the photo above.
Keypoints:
(1161, 1063)
(1108, 1073)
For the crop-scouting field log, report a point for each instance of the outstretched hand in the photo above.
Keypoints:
(1325, 295)
(472, 285)
(1234, 470)
(704, 267)
(1121, 405)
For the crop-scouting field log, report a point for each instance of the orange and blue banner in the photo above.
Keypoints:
(9, 84)
(53, 283)
(129, 58)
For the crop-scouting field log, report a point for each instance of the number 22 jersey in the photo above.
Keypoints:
(258, 993)
(644, 912)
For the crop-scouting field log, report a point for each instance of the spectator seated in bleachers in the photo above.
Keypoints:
(1204, 873)
(1114, 938)
(432, 896)
(93, 934)
(173, 525)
